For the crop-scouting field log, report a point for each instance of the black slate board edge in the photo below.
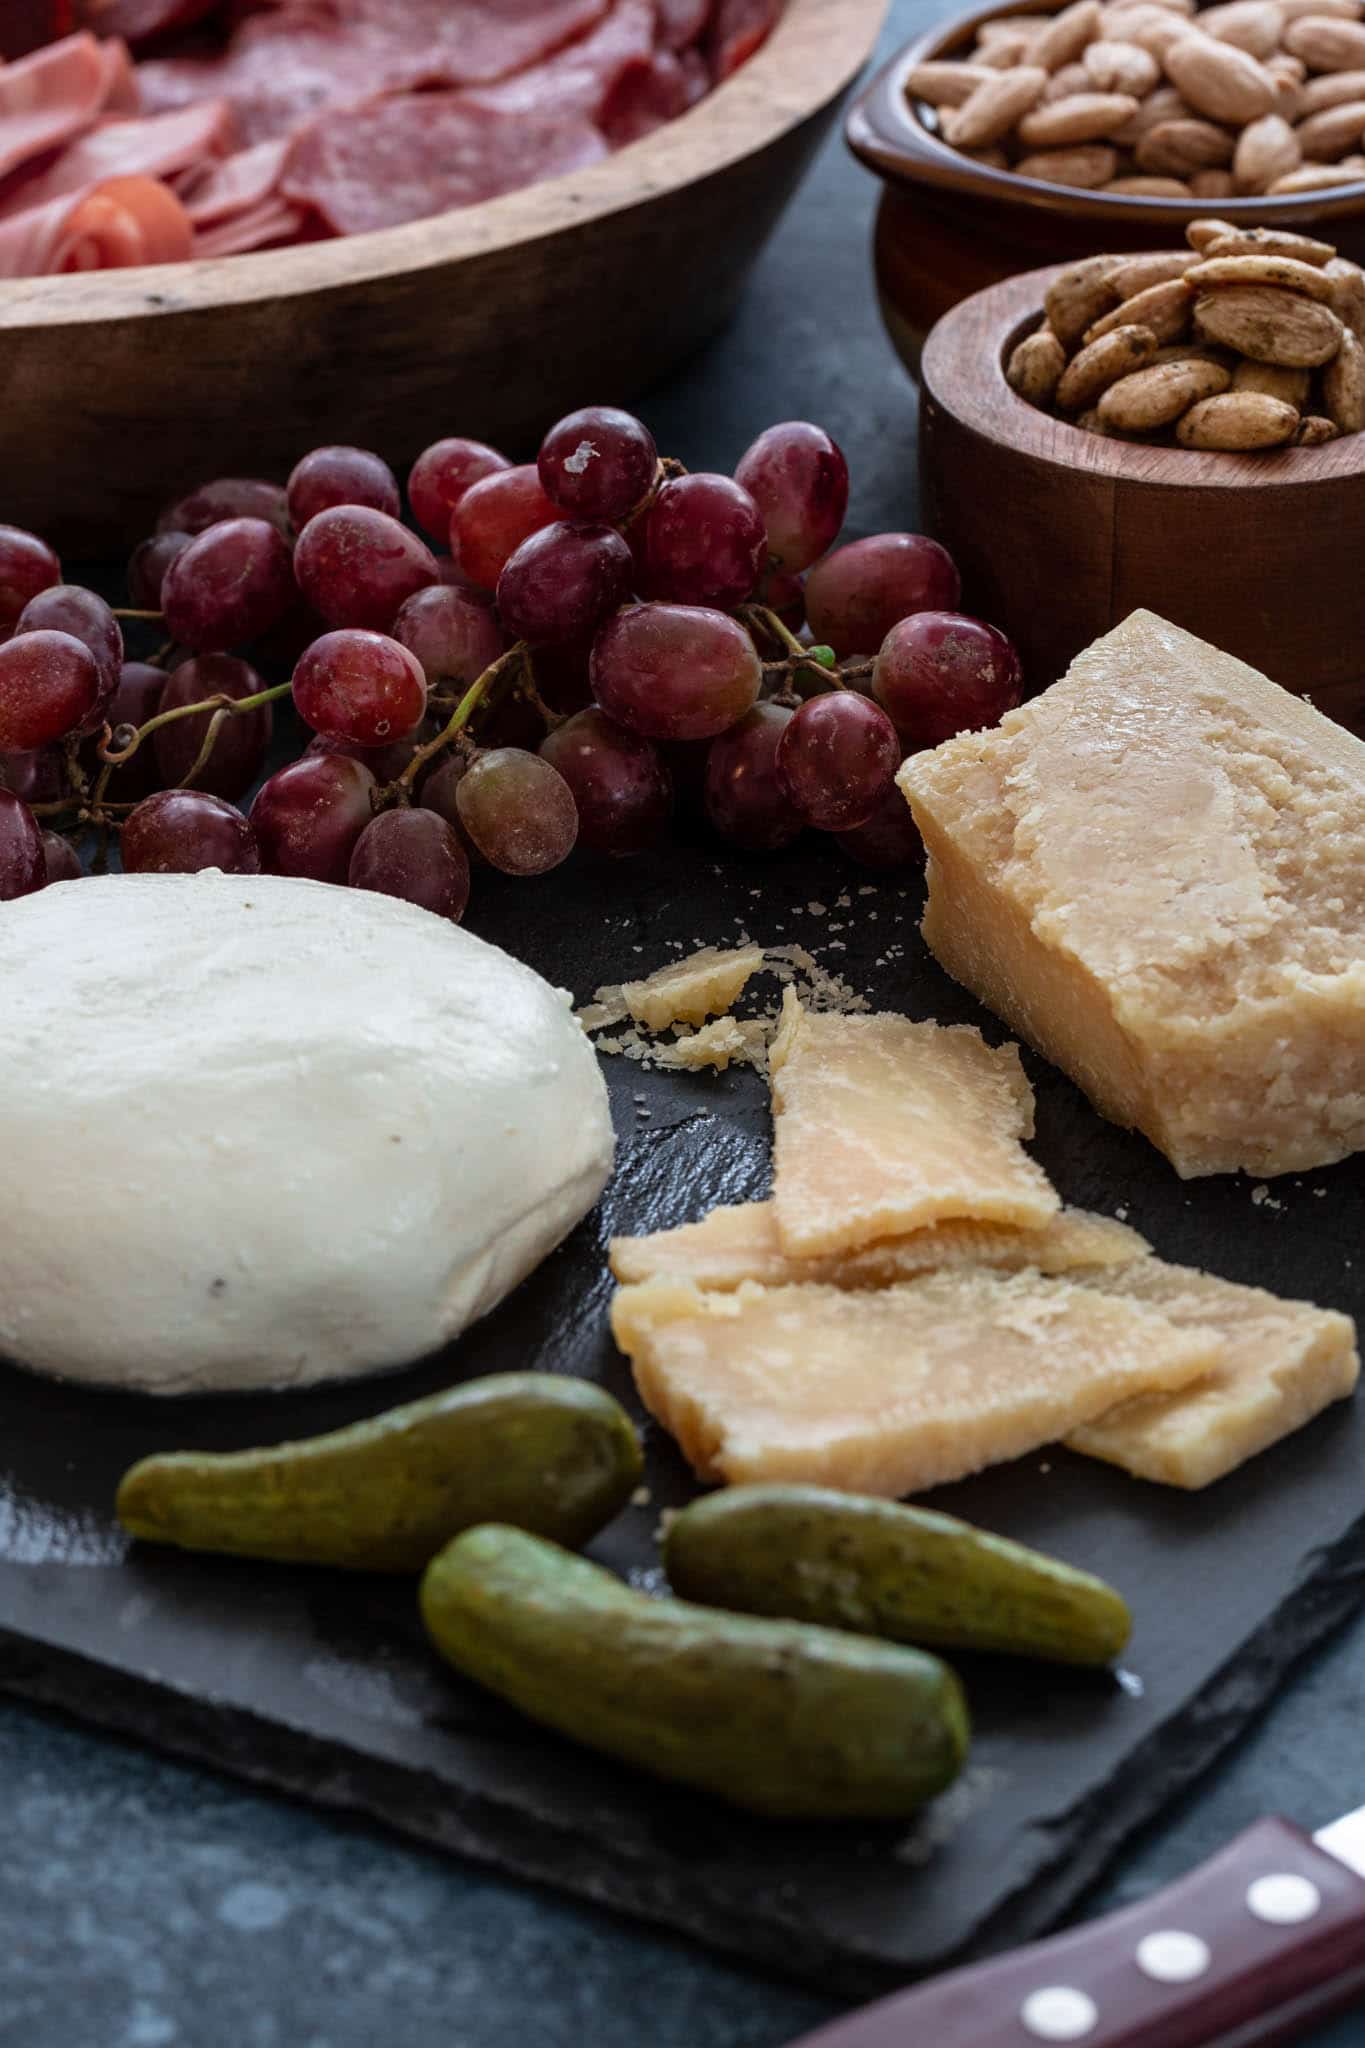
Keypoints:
(286, 1758)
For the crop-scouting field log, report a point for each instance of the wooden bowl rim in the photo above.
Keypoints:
(883, 131)
(816, 48)
(977, 395)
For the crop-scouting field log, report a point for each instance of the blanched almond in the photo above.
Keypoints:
(1333, 89)
(945, 84)
(1129, 275)
(1274, 380)
(1332, 131)
(1157, 33)
(1314, 178)
(1343, 385)
(1067, 34)
(1326, 44)
(1286, 75)
(1028, 25)
(1077, 296)
(1140, 187)
(1218, 79)
(1087, 165)
(1082, 117)
(1283, 271)
(1314, 430)
(1175, 148)
(1121, 67)
(994, 107)
(1003, 52)
(1269, 325)
(1101, 363)
(1152, 398)
(1165, 104)
(1348, 294)
(1071, 78)
(1339, 10)
(1226, 240)
(1238, 420)
(1253, 25)
(1265, 150)
(1213, 185)
(1035, 367)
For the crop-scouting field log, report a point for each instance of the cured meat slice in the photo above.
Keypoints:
(414, 154)
(741, 27)
(218, 192)
(122, 94)
(643, 97)
(476, 42)
(263, 226)
(583, 78)
(281, 70)
(122, 222)
(681, 22)
(137, 20)
(47, 98)
(155, 146)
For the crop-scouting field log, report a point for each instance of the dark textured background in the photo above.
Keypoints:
(147, 1905)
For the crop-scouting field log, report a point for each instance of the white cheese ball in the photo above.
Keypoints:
(263, 1132)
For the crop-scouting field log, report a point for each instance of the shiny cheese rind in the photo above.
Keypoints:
(894, 1390)
(1282, 1363)
(1156, 873)
(739, 1242)
(883, 1126)
(262, 1132)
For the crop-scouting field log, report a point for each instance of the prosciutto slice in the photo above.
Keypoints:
(49, 97)
(155, 146)
(272, 220)
(124, 221)
(233, 186)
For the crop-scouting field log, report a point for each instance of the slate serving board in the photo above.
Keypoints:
(321, 1684)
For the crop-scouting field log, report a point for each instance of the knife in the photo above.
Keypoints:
(1257, 1944)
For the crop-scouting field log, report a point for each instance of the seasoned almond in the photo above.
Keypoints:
(1269, 325)
(1140, 187)
(1035, 367)
(945, 84)
(1077, 296)
(1164, 308)
(1238, 420)
(1196, 352)
(1165, 104)
(1314, 178)
(1333, 89)
(1087, 165)
(1213, 185)
(1071, 78)
(1202, 234)
(1343, 386)
(1101, 363)
(1307, 278)
(1326, 44)
(1274, 380)
(994, 107)
(1152, 398)
(1092, 423)
(1314, 430)
(1265, 150)
(1082, 117)
(1067, 34)
(1176, 148)
(1330, 133)
(1348, 294)
(1132, 274)
(1253, 25)
(1121, 67)
(1218, 79)
(1230, 241)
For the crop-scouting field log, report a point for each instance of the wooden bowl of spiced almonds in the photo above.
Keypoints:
(1177, 429)
(1033, 133)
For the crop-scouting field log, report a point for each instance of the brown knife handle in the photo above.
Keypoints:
(1252, 1947)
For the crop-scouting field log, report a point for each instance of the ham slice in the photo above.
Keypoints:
(410, 155)
(156, 146)
(122, 222)
(271, 221)
(236, 185)
(49, 97)
(121, 92)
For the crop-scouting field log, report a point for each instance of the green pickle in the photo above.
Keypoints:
(777, 1717)
(886, 1570)
(554, 1455)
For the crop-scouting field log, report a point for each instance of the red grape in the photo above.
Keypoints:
(619, 783)
(239, 750)
(442, 474)
(386, 764)
(360, 686)
(232, 583)
(888, 839)
(598, 463)
(518, 810)
(492, 519)
(674, 672)
(414, 855)
(785, 595)
(136, 698)
(50, 684)
(454, 634)
(309, 815)
(67, 608)
(857, 594)
(798, 478)
(61, 859)
(39, 777)
(745, 802)
(27, 565)
(438, 791)
(181, 831)
(703, 541)
(356, 566)
(836, 759)
(148, 564)
(23, 866)
(940, 673)
(227, 497)
(563, 581)
(341, 476)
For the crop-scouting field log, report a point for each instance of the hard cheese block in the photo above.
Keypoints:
(1156, 872)
(890, 1391)
(740, 1242)
(882, 1126)
(1282, 1362)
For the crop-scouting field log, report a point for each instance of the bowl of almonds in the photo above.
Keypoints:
(1181, 429)
(1019, 137)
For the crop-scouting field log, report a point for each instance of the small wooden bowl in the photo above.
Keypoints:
(947, 227)
(1060, 533)
(120, 388)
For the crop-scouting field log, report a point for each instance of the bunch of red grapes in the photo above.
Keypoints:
(605, 631)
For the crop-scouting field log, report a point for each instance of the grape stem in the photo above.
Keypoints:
(222, 708)
(802, 661)
(459, 718)
(130, 612)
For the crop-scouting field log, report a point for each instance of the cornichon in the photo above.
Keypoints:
(774, 1716)
(886, 1570)
(555, 1455)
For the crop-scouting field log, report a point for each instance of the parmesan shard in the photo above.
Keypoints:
(715, 1045)
(882, 1126)
(1282, 1363)
(1156, 873)
(893, 1390)
(740, 1242)
(706, 984)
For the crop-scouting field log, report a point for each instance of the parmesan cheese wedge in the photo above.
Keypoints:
(1281, 1363)
(891, 1391)
(882, 1126)
(740, 1242)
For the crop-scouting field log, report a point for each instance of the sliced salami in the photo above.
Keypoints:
(740, 28)
(474, 42)
(644, 96)
(582, 78)
(137, 21)
(682, 22)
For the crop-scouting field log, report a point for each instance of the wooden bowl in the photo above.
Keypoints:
(120, 388)
(1060, 533)
(947, 227)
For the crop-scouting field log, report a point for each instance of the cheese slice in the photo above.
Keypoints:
(1282, 1363)
(740, 1242)
(688, 991)
(1156, 873)
(894, 1390)
(882, 1126)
